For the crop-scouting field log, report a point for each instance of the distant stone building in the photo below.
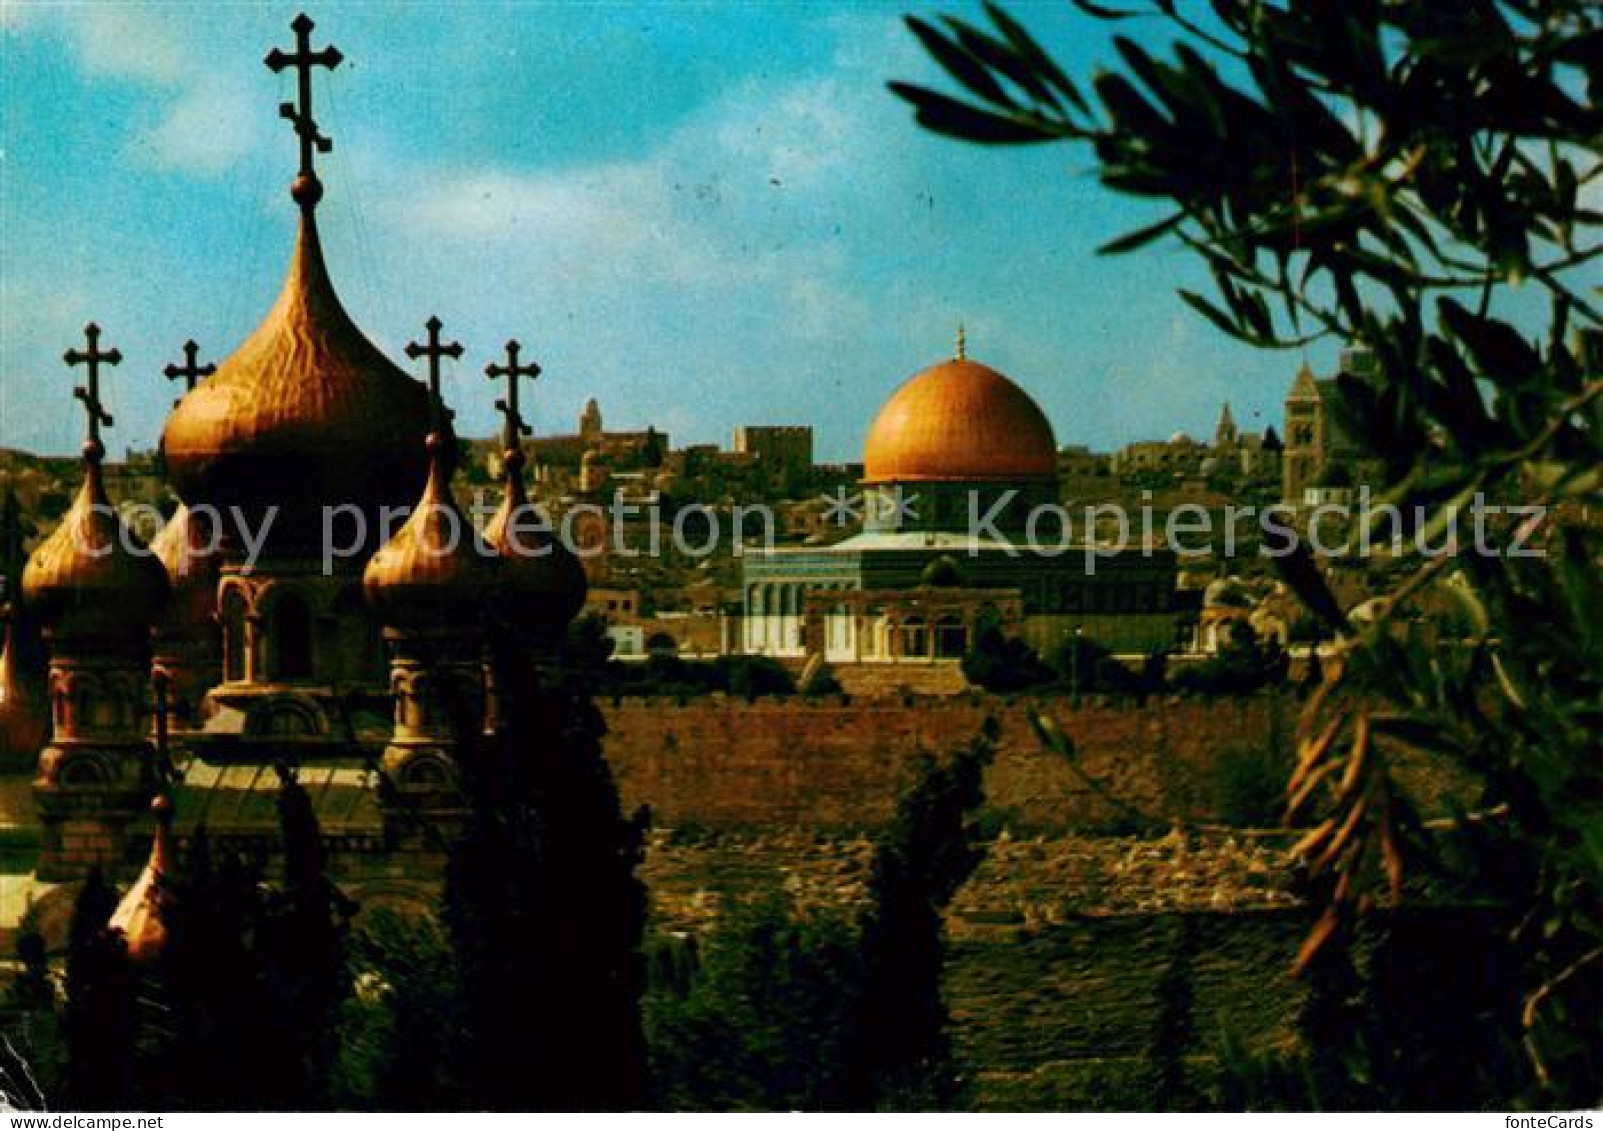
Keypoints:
(1234, 454)
(1322, 452)
(785, 448)
(562, 456)
(1180, 454)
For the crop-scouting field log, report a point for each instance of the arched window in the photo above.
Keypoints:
(915, 637)
(951, 638)
(233, 635)
(292, 637)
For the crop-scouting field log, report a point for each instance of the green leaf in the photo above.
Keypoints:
(1102, 11)
(958, 63)
(946, 115)
(1032, 52)
(1213, 314)
(1141, 236)
(1005, 60)
(1302, 576)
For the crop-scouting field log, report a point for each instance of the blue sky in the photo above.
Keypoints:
(703, 215)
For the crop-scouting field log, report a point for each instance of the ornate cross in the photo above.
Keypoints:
(92, 358)
(434, 350)
(299, 112)
(190, 371)
(508, 407)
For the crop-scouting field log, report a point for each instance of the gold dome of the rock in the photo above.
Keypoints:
(959, 421)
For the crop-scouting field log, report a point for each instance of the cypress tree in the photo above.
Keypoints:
(900, 1053)
(302, 950)
(544, 909)
(99, 1023)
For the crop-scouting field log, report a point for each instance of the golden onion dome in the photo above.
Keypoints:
(307, 412)
(959, 421)
(184, 549)
(139, 914)
(93, 576)
(430, 574)
(540, 584)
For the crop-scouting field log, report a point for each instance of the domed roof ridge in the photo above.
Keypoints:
(92, 575)
(541, 583)
(192, 570)
(306, 405)
(959, 421)
(431, 573)
(139, 913)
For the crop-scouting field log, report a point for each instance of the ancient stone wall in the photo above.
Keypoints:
(837, 764)
(830, 765)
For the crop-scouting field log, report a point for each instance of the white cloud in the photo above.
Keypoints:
(743, 194)
(207, 128)
(203, 118)
(124, 42)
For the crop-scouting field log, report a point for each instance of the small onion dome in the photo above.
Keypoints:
(24, 715)
(192, 572)
(541, 584)
(430, 574)
(959, 421)
(306, 413)
(92, 576)
(942, 573)
(139, 915)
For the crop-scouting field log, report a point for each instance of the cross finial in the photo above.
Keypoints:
(191, 370)
(434, 349)
(90, 394)
(962, 343)
(508, 407)
(307, 190)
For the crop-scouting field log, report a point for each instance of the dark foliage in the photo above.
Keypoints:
(243, 1002)
(1003, 664)
(403, 1043)
(31, 1052)
(1243, 665)
(668, 675)
(761, 1023)
(1250, 785)
(1382, 175)
(99, 1023)
(785, 1009)
(543, 909)
(898, 1049)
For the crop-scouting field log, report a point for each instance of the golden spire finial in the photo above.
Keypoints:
(962, 343)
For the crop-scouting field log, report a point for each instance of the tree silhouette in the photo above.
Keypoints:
(1383, 175)
(99, 1023)
(543, 908)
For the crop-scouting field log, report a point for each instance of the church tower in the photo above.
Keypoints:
(96, 590)
(310, 431)
(1226, 436)
(428, 586)
(590, 420)
(1299, 464)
